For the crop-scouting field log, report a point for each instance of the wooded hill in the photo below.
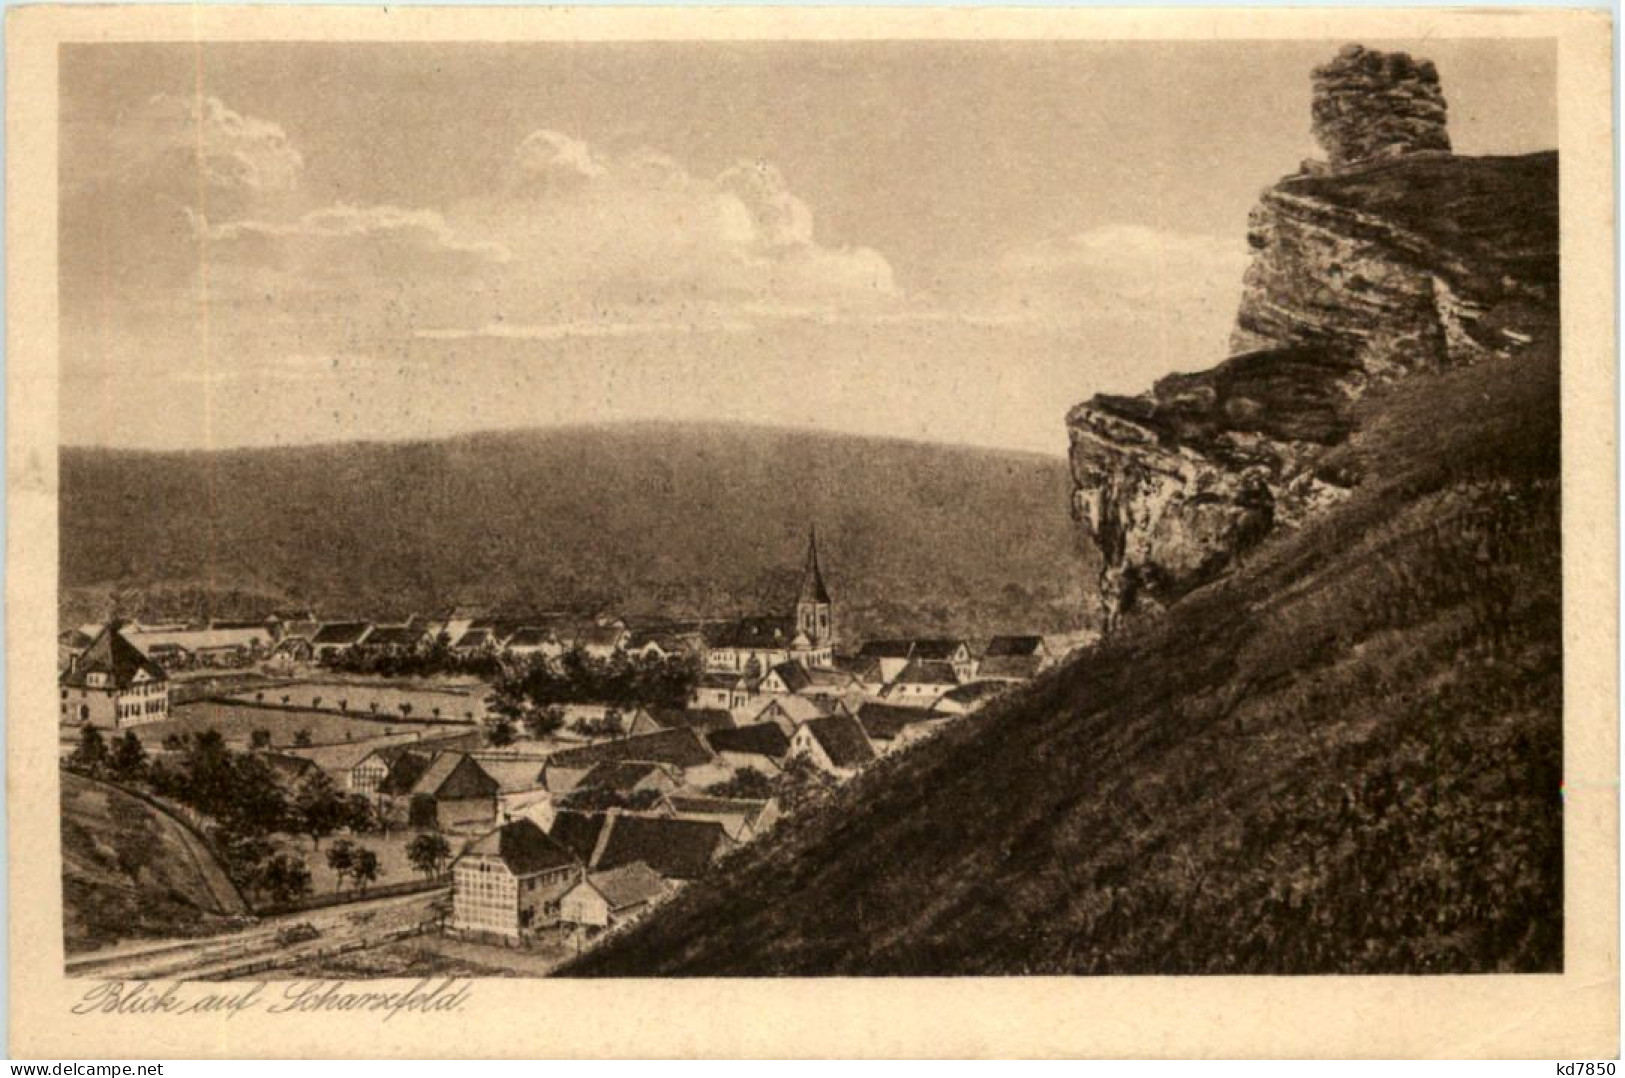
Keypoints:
(643, 519)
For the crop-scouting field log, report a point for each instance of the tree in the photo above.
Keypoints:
(319, 808)
(90, 755)
(259, 739)
(302, 738)
(501, 733)
(365, 869)
(284, 878)
(129, 759)
(341, 857)
(544, 722)
(174, 743)
(242, 854)
(254, 801)
(802, 783)
(603, 798)
(429, 853)
(747, 783)
(406, 709)
(359, 817)
(441, 910)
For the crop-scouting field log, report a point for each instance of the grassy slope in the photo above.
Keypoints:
(131, 870)
(646, 518)
(1343, 758)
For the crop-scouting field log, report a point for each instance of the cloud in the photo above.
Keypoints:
(546, 158)
(343, 240)
(193, 232)
(639, 230)
(191, 152)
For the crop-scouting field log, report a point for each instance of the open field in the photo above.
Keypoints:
(391, 850)
(237, 722)
(377, 698)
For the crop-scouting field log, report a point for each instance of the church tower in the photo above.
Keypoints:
(815, 611)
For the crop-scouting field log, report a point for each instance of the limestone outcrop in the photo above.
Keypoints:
(1370, 104)
(1393, 258)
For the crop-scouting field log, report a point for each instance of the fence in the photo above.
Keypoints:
(262, 965)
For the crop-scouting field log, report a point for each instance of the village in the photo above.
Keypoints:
(520, 786)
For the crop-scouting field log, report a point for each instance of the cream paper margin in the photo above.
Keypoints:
(1572, 1015)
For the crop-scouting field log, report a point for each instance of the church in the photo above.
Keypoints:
(752, 646)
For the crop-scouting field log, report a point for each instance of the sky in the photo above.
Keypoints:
(266, 244)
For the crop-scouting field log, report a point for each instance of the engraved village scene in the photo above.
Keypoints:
(809, 509)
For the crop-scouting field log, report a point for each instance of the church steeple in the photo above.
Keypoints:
(812, 579)
(815, 610)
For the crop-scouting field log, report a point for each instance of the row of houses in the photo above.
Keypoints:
(555, 864)
(182, 645)
(937, 674)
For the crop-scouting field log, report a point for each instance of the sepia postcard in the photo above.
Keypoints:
(783, 532)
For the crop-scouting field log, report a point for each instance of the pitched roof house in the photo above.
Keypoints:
(395, 638)
(894, 656)
(475, 640)
(627, 777)
(836, 744)
(534, 640)
(651, 720)
(891, 727)
(509, 881)
(969, 697)
(676, 849)
(288, 770)
(788, 712)
(720, 689)
(742, 818)
(601, 899)
(922, 682)
(764, 740)
(335, 636)
(1013, 658)
(449, 789)
(112, 683)
(786, 677)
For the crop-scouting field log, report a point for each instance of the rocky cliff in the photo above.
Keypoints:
(1392, 256)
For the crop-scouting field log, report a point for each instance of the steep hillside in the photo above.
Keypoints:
(1325, 734)
(1343, 757)
(645, 518)
(129, 869)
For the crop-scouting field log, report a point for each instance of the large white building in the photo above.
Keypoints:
(112, 683)
(509, 882)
